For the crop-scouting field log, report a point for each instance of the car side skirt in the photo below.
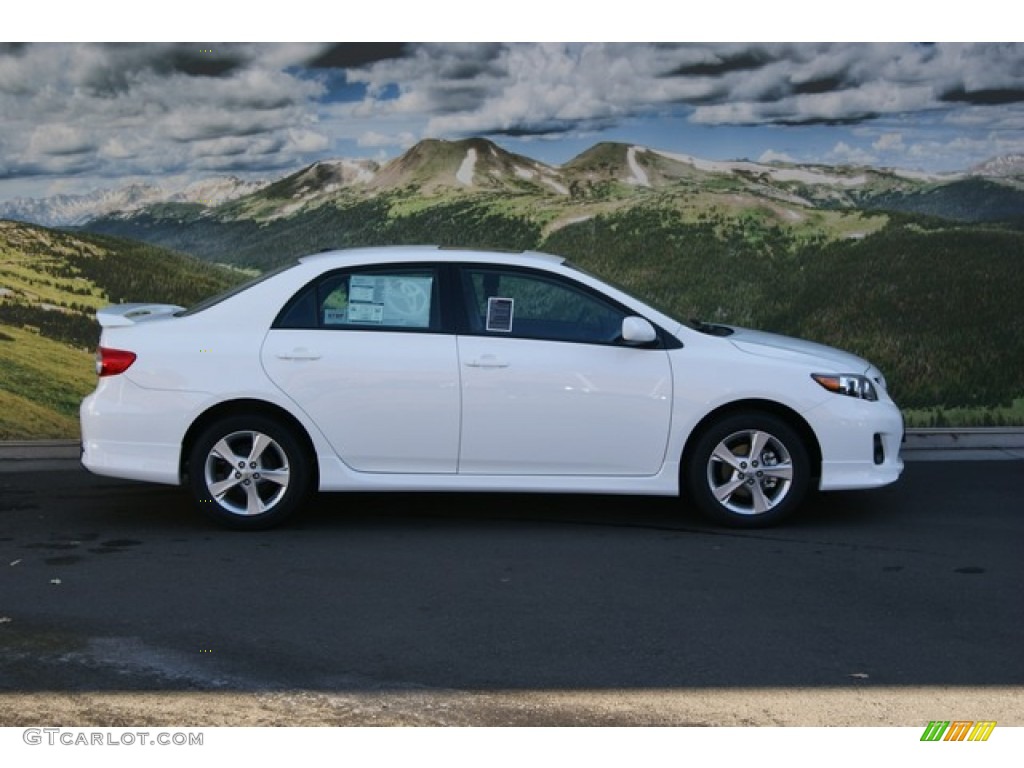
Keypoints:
(335, 476)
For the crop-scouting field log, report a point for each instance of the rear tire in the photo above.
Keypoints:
(748, 470)
(249, 472)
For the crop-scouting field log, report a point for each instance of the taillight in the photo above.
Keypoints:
(110, 362)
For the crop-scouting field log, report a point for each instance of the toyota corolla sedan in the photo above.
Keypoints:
(435, 369)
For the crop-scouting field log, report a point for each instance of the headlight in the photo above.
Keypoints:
(851, 384)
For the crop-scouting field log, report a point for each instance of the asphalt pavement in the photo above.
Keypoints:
(867, 609)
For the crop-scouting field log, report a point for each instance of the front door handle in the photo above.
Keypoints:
(486, 361)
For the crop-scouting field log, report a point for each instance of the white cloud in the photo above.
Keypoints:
(844, 154)
(303, 141)
(123, 110)
(59, 139)
(156, 108)
(377, 139)
(771, 156)
(888, 142)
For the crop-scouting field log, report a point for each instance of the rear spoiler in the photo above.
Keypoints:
(120, 315)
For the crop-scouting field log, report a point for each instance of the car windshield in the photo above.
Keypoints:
(234, 291)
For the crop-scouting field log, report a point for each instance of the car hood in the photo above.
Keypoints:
(788, 348)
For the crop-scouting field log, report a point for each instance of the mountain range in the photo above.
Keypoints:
(990, 191)
(75, 210)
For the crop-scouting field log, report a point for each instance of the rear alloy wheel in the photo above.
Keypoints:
(749, 470)
(249, 473)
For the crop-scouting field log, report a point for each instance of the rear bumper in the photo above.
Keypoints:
(135, 433)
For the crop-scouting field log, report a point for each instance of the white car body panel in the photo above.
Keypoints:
(786, 348)
(553, 408)
(396, 411)
(442, 411)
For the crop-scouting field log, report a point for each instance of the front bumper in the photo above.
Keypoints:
(860, 443)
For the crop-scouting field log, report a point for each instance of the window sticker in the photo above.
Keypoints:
(361, 293)
(401, 301)
(372, 314)
(499, 314)
(335, 316)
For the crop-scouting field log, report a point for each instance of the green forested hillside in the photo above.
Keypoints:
(51, 284)
(480, 220)
(938, 308)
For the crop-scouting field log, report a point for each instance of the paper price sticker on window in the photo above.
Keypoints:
(335, 316)
(499, 314)
(401, 301)
(366, 313)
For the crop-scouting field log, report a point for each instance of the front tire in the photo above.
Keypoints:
(748, 470)
(249, 472)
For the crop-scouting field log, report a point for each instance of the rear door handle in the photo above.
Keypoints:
(486, 361)
(299, 353)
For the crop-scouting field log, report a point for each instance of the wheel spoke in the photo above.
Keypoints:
(723, 454)
(761, 503)
(725, 491)
(278, 476)
(218, 489)
(253, 504)
(779, 471)
(758, 441)
(260, 443)
(223, 450)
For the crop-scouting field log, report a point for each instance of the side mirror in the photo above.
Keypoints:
(636, 330)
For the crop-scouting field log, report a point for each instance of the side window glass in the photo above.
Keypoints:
(399, 299)
(536, 306)
(300, 312)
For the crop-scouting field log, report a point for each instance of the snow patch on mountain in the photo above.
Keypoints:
(1002, 166)
(556, 185)
(465, 173)
(905, 173)
(801, 175)
(357, 171)
(639, 177)
(215, 190)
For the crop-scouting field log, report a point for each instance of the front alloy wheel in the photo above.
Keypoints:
(749, 470)
(248, 472)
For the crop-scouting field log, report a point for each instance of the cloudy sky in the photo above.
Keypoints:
(76, 116)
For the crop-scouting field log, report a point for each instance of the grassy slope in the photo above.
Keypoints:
(52, 283)
(42, 383)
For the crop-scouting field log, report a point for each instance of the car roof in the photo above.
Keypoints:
(435, 253)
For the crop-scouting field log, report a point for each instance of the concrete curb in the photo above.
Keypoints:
(989, 443)
(35, 450)
(982, 444)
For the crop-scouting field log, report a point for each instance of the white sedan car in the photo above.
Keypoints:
(436, 369)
